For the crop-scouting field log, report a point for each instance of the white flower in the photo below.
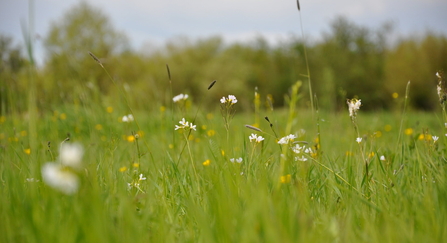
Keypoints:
(231, 100)
(70, 154)
(382, 158)
(359, 140)
(435, 138)
(297, 149)
(287, 139)
(180, 97)
(354, 106)
(185, 124)
(142, 178)
(255, 138)
(238, 160)
(302, 158)
(58, 177)
(128, 118)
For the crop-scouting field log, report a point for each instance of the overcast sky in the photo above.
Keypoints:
(155, 21)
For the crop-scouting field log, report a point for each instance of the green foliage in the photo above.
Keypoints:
(12, 64)
(82, 29)
(325, 199)
(350, 61)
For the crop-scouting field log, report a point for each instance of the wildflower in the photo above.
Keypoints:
(395, 95)
(207, 162)
(27, 151)
(359, 140)
(109, 109)
(58, 177)
(231, 100)
(185, 124)
(238, 160)
(122, 169)
(408, 131)
(387, 128)
(285, 179)
(435, 138)
(255, 138)
(287, 139)
(70, 154)
(210, 133)
(98, 127)
(130, 138)
(382, 158)
(127, 118)
(142, 178)
(354, 106)
(180, 97)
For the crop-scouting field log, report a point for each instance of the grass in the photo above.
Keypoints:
(324, 199)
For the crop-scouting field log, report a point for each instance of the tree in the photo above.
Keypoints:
(12, 63)
(82, 29)
(353, 57)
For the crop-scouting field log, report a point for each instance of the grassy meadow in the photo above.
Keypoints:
(152, 177)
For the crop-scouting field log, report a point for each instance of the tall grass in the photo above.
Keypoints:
(132, 193)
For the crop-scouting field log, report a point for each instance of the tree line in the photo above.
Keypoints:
(349, 61)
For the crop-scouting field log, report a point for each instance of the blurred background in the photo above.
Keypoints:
(367, 49)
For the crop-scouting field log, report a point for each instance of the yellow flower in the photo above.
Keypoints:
(109, 109)
(387, 128)
(23, 133)
(122, 169)
(130, 138)
(207, 162)
(136, 165)
(370, 155)
(27, 151)
(285, 179)
(171, 146)
(395, 95)
(63, 116)
(98, 127)
(2, 119)
(210, 133)
(222, 152)
(378, 134)
(162, 108)
(409, 131)
(349, 153)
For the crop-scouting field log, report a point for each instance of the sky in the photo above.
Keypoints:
(150, 23)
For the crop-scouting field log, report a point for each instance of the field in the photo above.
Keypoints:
(377, 177)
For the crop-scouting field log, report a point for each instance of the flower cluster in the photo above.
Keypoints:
(61, 175)
(127, 118)
(180, 97)
(255, 138)
(230, 100)
(238, 160)
(136, 183)
(300, 151)
(185, 125)
(287, 139)
(354, 106)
